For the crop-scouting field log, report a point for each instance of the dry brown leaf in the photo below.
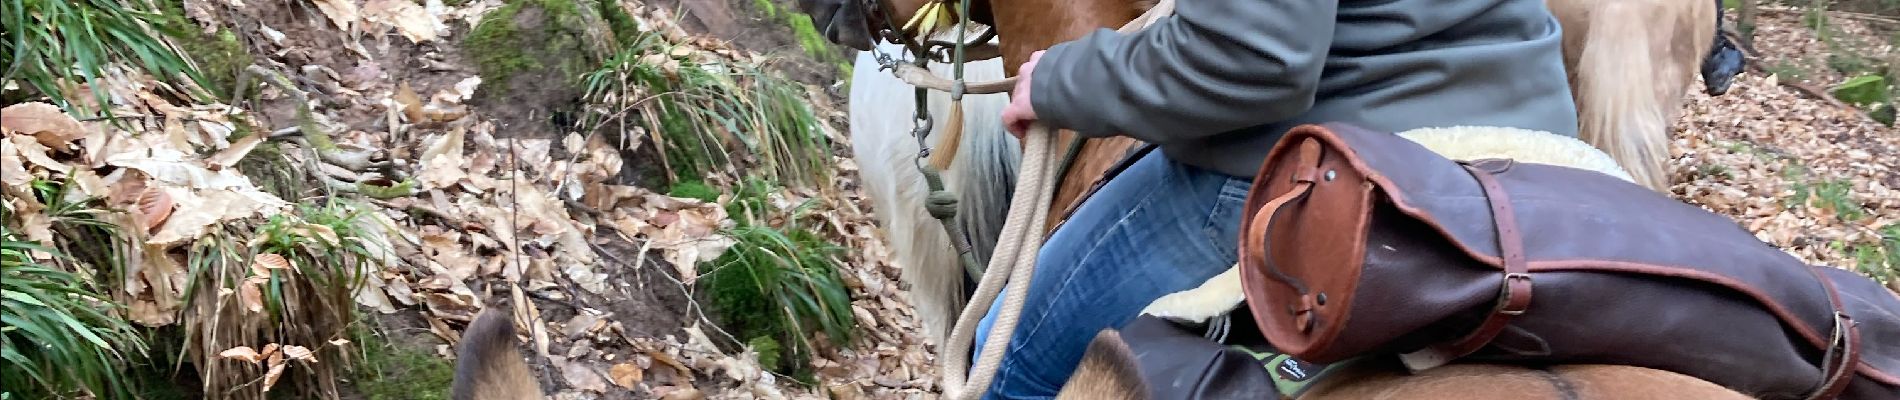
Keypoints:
(626, 375)
(300, 353)
(580, 376)
(196, 211)
(276, 371)
(242, 353)
(343, 13)
(13, 171)
(413, 21)
(678, 393)
(410, 101)
(35, 153)
(251, 293)
(264, 262)
(44, 122)
(668, 359)
(155, 206)
(231, 155)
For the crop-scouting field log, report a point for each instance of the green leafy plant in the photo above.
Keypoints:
(60, 336)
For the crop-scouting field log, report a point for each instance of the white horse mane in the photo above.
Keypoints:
(981, 178)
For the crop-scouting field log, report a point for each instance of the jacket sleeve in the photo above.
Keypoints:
(1212, 67)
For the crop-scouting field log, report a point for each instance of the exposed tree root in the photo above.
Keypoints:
(311, 134)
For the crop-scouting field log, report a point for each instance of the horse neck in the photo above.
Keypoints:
(1026, 26)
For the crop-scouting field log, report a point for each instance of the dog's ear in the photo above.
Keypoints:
(1108, 371)
(487, 365)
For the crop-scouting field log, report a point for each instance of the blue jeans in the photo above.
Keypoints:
(1157, 228)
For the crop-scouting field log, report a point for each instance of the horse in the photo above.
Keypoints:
(1110, 368)
(917, 241)
(881, 106)
(1625, 105)
(1025, 27)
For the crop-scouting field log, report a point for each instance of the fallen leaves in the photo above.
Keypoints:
(412, 20)
(42, 121)
(274, 357)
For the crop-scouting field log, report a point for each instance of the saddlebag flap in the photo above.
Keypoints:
(1357, 242)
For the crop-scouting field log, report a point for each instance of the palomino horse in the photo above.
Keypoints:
(1030, 26)
(881, 105)
(1630, 64)
(1110, 368)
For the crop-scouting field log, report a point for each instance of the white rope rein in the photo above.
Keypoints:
(1014, 260)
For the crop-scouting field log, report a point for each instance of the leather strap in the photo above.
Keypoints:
(1514, 294)
(1842, 355)
(1304, 176)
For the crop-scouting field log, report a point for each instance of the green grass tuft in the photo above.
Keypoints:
(779, 286)
(50, 41)
(702, 113)
(61, 337)
(390, 371)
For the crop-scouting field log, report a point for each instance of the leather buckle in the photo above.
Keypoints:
(1504, 294)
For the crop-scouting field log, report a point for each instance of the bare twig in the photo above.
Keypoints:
(458, 223)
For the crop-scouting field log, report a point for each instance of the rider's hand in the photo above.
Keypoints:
(1018, 114)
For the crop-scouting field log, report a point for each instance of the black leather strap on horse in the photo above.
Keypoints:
(1113, 171)
(1396, 249)
(1514, 293)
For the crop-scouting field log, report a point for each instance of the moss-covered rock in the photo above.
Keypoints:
(533, 52)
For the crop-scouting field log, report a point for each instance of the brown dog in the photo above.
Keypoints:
(1108, 372)
(487, 365)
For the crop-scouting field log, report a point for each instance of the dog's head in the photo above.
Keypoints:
(487, 365)
(1107, 372)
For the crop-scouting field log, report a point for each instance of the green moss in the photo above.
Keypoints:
(219, 54)
(694, 190)
(390, 371)
(808, 38)
(547, 36)
(768, 349)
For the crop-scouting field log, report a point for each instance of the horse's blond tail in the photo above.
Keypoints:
(1616, 90)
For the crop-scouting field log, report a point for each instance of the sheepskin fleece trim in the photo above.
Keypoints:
(1222, 293)
(1527, 146)
(1211, 299)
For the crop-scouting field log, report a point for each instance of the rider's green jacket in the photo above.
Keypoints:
(1217, 83)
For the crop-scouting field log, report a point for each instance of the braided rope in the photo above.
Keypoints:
(1014, 260)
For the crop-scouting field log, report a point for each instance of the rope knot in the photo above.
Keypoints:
(942, 204)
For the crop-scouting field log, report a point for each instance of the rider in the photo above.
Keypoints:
(1214, 86)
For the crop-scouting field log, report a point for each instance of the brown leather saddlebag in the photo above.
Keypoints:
(1359, 242)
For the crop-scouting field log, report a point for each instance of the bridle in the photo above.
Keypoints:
(942, 204)
(1013, 261)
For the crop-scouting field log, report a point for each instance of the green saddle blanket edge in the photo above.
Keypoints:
(1292, 377)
